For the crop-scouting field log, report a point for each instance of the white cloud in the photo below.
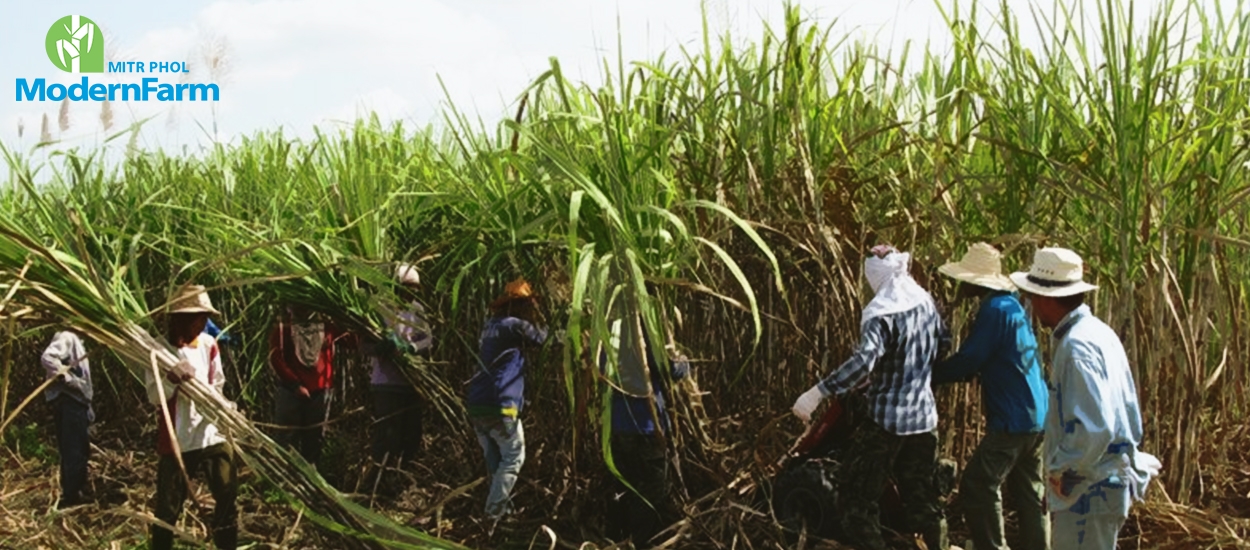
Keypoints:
(294, 63)
(388, 104)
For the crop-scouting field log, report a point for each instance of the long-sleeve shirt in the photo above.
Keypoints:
(1094, 423)
(67, 348)
(895, 356)
(631, 414)
(1001, 348)
(192, 429)
(287, 366)
(498, 387)
(409, 326)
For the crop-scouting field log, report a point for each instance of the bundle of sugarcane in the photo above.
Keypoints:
(355, 293)
(58, 277)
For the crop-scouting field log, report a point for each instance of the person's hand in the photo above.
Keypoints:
(181, 372)
(806, 404)
(1064, 484)
(303, 392)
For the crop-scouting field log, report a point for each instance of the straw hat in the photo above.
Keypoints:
(191, 299)
(1056, 272)
(515, 290)
(982, 265)
(407, 274)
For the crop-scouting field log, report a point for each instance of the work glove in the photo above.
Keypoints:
(392, 345)
(401, 345)
(806, 404)
(181, 372)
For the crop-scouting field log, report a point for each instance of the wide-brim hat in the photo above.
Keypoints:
(1056, 272)
(191, 299)
(516, 290)
(982, 265)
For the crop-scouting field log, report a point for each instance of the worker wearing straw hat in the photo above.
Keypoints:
(496, 393)
(1093, 423)
(65, 359)
(197, 439)
(1002, 349)
(901, 336)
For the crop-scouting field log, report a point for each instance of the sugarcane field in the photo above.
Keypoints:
(791, 287)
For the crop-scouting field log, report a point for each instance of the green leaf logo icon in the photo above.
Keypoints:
(76, 45)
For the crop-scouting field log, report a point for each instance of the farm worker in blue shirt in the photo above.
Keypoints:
(638, 430)
(1000, 348)
(1093, 424)
(496, 392)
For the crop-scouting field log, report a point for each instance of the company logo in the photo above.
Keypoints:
(76, 45)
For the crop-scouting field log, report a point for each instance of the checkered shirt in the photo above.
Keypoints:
(895, 360)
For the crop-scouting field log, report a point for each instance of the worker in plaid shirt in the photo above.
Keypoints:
(901, 336)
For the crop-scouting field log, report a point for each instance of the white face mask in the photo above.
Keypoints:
(879, 271)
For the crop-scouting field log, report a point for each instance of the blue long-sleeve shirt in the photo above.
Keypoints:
(498, 388)
(1001, 348)
(632, 415)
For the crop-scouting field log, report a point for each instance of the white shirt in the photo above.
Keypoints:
(191, 428)
(67, 348)
(1093, 425)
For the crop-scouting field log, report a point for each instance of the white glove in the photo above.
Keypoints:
(807, 403)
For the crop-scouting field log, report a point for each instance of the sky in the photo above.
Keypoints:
(296, 64)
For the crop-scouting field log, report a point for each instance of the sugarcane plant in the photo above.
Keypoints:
(85, 278)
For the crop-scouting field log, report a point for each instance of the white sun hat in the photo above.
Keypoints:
(406, 274)
(191, 299)
(982, 265)
(1055, 272)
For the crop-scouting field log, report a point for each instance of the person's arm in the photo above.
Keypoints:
(55, 356)
(219, 378)
(152, 383)
(342, 337)
(528, 331)
(856, 368)
(417, 334)
(277, 356)
(976, 351)
(1084, 423)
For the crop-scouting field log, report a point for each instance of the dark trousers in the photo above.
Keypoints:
(642, 462)
(72, 420)
(874, 457)
(1013, 460)
(302, 420)
(397, 430)
(217, 463)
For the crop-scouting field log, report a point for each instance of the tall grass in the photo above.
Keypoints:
(747, 182)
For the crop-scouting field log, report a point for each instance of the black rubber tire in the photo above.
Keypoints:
(806, 496)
